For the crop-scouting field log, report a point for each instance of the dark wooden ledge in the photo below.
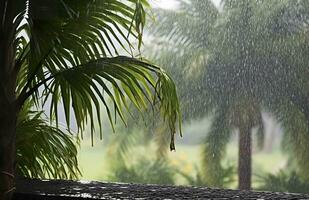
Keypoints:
(66, 190)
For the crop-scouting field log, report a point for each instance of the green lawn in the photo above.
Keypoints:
(94, 163)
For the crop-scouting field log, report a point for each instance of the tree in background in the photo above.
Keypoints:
(66, 52)
(232, 91)
(241, 60)
(290, 102)
(193, 49)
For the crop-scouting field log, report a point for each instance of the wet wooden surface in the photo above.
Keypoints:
(66, 190)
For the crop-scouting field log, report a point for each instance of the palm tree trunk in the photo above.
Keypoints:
(7, 151)
(8, 118)
(8, 111)
(244, 159)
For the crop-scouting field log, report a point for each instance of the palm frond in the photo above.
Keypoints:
(296, 136)
(72, 52)
(43, 150)
(213, 149)
(63, 34)
(193, 15)
(181, 51)
(82, 88)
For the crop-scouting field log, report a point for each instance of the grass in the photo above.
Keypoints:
(94, 162)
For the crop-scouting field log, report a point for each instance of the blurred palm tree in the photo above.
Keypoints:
(235, 61)
(67, 52)
(189, 31)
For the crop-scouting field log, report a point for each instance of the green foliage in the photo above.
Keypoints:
(233, 63)
(154, 170)
(181, 44)
(71, 53)
(196, 180)
(144, 171)
(284, 182)
(213, 151)
(206, 45)
(296, 137)
(44, 150)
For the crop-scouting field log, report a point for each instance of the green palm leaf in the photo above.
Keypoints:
(43, 150)
(66, 54)
(71, 52)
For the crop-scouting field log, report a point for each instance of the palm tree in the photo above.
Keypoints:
(67, 52)
(232, 91)
(192, 37)
(244, 63)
